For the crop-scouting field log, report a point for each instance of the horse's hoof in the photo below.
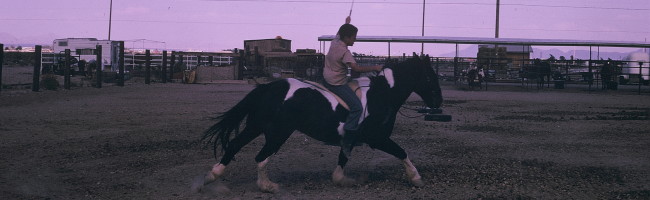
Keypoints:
(222, 189)
(197, 184)
(345, 182)
(417, 182)
(269, 187)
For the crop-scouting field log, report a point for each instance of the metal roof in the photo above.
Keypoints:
(482, 40)
(511, 48)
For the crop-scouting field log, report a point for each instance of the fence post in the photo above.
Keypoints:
(120, 76)
(438, 65)
(456, 72)
(171, 66)
(640, 75)
(37, 68)
(147, 78)
(198, 60)
(211, 60)
(2, 58)
(180, 60)
(99, 65)
(66, 70)
(164, 67)
(484, 71)
(240, 65)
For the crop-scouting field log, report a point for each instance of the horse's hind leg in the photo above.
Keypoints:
(274, 140)
(338, 176)
(246, 136)
(389, 146)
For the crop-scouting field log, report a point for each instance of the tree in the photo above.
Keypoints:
(562, 58)
(19, 48)
(551, 58)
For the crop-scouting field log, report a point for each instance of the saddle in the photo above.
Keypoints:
(354, 85)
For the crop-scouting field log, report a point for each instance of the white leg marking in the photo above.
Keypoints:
(340, 129)
(263, 181)
(216, 172)
(412, 173)
(339, 178)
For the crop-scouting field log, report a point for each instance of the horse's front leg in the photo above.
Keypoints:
(389, 146)
(412, 173)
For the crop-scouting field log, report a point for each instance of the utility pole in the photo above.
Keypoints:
(424, 4)
(496, 34)
(110, 19)
(496, 30)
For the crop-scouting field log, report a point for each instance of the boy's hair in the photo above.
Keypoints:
(347, 30)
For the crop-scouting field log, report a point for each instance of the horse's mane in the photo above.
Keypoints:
(400, 69)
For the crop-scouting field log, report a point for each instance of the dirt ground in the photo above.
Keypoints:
(141, 142)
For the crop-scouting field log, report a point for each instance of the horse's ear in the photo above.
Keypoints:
(390, 63)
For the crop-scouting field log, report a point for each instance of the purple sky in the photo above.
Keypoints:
(212, 25)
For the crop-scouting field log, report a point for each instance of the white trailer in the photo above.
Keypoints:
(85, 48)
(631, 69)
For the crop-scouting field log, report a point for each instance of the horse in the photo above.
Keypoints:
(543, 71)
(540, 71)
(279, 108)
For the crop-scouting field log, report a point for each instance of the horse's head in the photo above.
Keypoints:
(428, 87)
(416, 75)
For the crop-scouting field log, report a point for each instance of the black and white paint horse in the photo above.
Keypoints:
(279, 108)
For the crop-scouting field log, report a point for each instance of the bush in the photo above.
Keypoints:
(49, 82)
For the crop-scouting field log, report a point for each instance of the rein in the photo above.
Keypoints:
(413, 109)
(402, 106)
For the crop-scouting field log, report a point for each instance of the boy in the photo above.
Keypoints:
(337, 61)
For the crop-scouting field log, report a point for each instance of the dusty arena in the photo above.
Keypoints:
(142, 142)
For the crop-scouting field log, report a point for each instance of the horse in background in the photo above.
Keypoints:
(279, 108)
(540, 71)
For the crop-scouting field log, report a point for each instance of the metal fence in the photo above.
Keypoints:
(607, 74)
(495, 70)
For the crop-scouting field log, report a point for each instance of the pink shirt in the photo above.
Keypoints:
(336, 69)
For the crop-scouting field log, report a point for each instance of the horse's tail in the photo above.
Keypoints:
(229, 122)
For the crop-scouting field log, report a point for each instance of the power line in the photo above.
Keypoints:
(437, 3)
(577, 7)
(319, 25)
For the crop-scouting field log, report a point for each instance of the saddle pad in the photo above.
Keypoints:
(355, 85)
